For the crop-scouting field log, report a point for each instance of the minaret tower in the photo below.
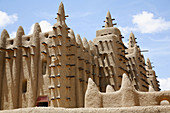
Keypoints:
(136, 65)
(152, 78)
(111, 50)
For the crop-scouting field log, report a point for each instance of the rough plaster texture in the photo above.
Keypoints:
(127, 96)
(58, 63)
(136, 109)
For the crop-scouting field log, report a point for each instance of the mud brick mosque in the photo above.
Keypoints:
(52, 69)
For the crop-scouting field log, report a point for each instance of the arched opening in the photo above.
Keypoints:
(164, 102)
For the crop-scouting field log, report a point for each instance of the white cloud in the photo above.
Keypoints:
(164, 83)
(146, 22)
(45, 26)
(126, 30)
(6, 19)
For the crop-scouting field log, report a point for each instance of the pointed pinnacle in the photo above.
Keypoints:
(61, 13)
(108, 21)
(20, 31)
(72, 32)
(4, 36)
(126, 83)
(85, 43)
(149, 66)
(132, 41)
(92, 95)
(91, 44)
(78, 40)
(19, 34)
(37, 27)
(109, 88)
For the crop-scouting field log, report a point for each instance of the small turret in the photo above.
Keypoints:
(4, 36)
(132, 41)
(108, 21)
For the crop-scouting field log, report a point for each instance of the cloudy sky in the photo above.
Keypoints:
(149, 20)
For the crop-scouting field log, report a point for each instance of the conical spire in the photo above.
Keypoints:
(149, 66)
(4, 36)
(85, 43)
(108, 21)
(132, 41)
(61, 13)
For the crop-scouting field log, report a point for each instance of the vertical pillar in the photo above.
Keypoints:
(17, 66)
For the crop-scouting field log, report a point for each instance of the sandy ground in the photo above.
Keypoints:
(146, 109)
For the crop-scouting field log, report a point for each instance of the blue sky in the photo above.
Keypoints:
(149, 20)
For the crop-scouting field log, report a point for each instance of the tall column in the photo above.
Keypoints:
(4, 36)
(17, 66)
(34, 66)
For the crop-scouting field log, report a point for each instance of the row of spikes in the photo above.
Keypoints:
(19, 34)
(83, 43)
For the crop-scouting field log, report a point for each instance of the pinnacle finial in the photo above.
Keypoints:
(108, 21)
(91, 44)
(61, 13)
(20, 30)
(132, 41)
(37, 27)
(72, 32)
(78, 40)
(4, 36)
(85, 43)
(149, 66)
(19, 34)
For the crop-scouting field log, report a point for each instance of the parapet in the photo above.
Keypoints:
(127, 96)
